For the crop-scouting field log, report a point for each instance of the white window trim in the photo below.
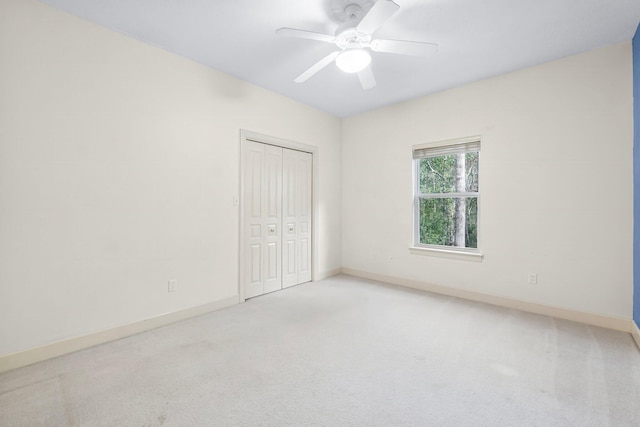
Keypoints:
(455, 253)
(451, 252)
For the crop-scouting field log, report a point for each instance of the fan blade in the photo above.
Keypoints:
(303, 34)
(377, 15)
(366, 78)
(403, 47)
(317, 67)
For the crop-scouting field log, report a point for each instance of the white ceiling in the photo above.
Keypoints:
(476, 38)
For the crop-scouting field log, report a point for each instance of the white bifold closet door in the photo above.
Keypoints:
(277, 218)
(296, 210)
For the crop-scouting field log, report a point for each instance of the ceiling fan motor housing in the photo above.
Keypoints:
(347, 37)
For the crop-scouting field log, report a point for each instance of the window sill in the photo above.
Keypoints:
(447, 253)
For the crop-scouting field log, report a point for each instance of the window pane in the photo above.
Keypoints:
(438, 174)
(449, 174)
(471, 172)
(449, 222)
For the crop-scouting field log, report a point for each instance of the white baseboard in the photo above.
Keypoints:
(70, 345)
(616, 323)
(327, 274)
(635, 333)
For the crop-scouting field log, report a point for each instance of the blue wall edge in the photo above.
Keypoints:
(636, 177)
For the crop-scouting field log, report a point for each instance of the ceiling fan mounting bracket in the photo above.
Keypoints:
(353, 12)
(350, 10)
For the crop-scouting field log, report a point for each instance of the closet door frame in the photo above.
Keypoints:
(245, 136)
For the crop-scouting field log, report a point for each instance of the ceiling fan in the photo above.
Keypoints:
(354, 40)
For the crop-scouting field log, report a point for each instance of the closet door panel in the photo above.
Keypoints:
(253, 223)
(305, 196)
(262, 219)
(289, 208)
(272, 199)
(297, 196)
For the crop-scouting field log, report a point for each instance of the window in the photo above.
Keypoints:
(446, 194)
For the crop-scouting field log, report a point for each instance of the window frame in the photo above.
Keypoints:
(454, 252)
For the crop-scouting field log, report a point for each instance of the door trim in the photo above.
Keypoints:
(245, 136)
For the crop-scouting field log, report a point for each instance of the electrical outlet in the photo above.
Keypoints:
(533, 278)
(173, 285)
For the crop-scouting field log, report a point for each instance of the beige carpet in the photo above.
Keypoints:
(340, 352)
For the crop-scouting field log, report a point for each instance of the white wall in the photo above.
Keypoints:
(556, 184)
(118, 167)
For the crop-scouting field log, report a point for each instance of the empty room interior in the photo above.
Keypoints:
(329, 212)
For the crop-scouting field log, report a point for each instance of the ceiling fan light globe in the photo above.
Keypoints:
(353, 60)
